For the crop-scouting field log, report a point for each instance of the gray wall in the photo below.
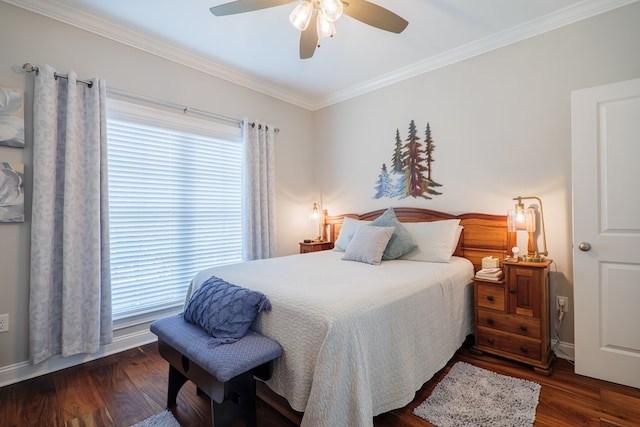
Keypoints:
(29, 37)
(501, 123)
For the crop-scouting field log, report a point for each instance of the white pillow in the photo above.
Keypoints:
(368, 244)
(349, 227)
(436, 240)
(456, 239)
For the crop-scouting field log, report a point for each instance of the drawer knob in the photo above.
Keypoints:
(490, 340)
(490, 298)
(490, 321)
(523, 328)
(512, 291)
(524, 349)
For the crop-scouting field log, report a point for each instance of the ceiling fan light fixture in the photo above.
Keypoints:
(325, 13)
(331, 9)
(325, 27)
(301, 15)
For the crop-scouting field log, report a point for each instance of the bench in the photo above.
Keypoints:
(224, 372)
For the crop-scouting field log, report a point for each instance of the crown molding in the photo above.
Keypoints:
(121, 34)
(54, 10)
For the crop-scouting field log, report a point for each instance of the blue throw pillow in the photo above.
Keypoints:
(401, 241)
(223, 310)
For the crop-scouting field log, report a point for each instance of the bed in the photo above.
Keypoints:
(360, 339)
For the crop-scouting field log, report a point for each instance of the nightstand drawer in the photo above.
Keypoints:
(522, 347)
(491, 296)
(514, 324)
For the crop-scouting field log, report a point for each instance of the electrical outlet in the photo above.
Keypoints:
(4, 323)
(562, 302)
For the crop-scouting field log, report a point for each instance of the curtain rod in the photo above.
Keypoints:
(184, 109)
(31, 69)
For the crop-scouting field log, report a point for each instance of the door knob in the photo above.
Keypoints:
(584, 246)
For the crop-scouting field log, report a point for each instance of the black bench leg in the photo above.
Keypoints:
(176, 381)
(240, 403)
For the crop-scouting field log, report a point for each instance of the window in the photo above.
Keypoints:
(174, 204)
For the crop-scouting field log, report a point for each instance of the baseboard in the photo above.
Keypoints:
(564, 350)
(24, 370)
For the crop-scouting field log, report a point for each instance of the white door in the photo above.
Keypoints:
(606, 231)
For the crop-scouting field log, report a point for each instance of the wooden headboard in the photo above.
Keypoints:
(483, 234)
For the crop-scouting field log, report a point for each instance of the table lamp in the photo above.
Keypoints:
(526, 219)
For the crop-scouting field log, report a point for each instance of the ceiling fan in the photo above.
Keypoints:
(315, 18)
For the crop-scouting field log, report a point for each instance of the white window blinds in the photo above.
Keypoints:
(174, 204)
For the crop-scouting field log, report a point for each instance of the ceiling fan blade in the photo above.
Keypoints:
(309, 38)
(374, 15)
(242, 6)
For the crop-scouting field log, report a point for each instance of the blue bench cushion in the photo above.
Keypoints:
(222, 361)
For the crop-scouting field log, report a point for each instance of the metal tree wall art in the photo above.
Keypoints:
(410, 174)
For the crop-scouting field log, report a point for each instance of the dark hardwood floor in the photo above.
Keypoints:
(125, 388)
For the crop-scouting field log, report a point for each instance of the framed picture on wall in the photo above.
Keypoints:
(11, 117)
(11, 192)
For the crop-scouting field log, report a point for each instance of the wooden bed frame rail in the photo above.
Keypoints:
(483, 234)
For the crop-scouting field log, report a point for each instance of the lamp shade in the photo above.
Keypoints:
(325, 27)
(520, 218)
(315, 212)
(331, 9)
(516, 218)
(301, 15)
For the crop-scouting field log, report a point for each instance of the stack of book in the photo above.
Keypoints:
(489, 274)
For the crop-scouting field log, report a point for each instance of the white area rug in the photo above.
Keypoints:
(472, 396)
(163, 419)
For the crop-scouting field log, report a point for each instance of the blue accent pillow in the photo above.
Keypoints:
(225, 311)
(401, 241)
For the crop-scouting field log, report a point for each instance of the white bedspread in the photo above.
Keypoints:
(358, 339)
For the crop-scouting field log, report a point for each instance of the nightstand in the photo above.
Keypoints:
(512, 315)
(315, 247)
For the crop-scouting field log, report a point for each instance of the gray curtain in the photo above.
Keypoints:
(260, 190)
(70, 295)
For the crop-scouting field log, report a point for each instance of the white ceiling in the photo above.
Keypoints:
(259, 49)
